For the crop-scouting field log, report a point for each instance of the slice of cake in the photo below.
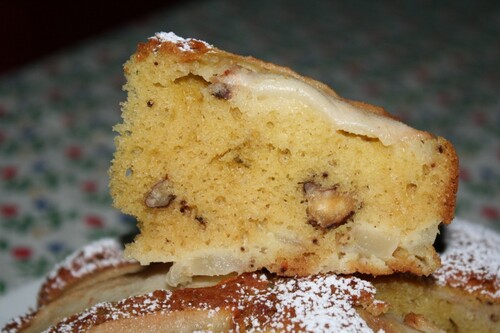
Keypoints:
(231, 164)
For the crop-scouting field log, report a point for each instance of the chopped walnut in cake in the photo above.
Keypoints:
(220, 90)
(327, 207)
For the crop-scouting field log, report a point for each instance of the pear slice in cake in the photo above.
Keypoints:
(231, 164)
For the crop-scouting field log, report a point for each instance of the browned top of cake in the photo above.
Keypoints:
(255, 302)
(96, 256)
(189, 48)
(17, 324)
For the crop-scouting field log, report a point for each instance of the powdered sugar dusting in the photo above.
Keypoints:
(107, 311)
(18, 323)
(472, 257)
(95, 256)
(184, 44)
(322, 303)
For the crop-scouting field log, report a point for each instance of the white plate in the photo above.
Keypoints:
(17, 302)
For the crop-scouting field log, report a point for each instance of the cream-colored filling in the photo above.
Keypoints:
(343, 116)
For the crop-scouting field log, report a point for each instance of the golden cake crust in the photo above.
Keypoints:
(83, 264)
(247, 302)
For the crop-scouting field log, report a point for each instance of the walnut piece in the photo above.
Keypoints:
(326, 207)
(161, 195)
(220, 90)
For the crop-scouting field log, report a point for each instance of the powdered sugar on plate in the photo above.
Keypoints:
(184, 44)
(471, 260)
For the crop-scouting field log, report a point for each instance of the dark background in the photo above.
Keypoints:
(34, 29)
